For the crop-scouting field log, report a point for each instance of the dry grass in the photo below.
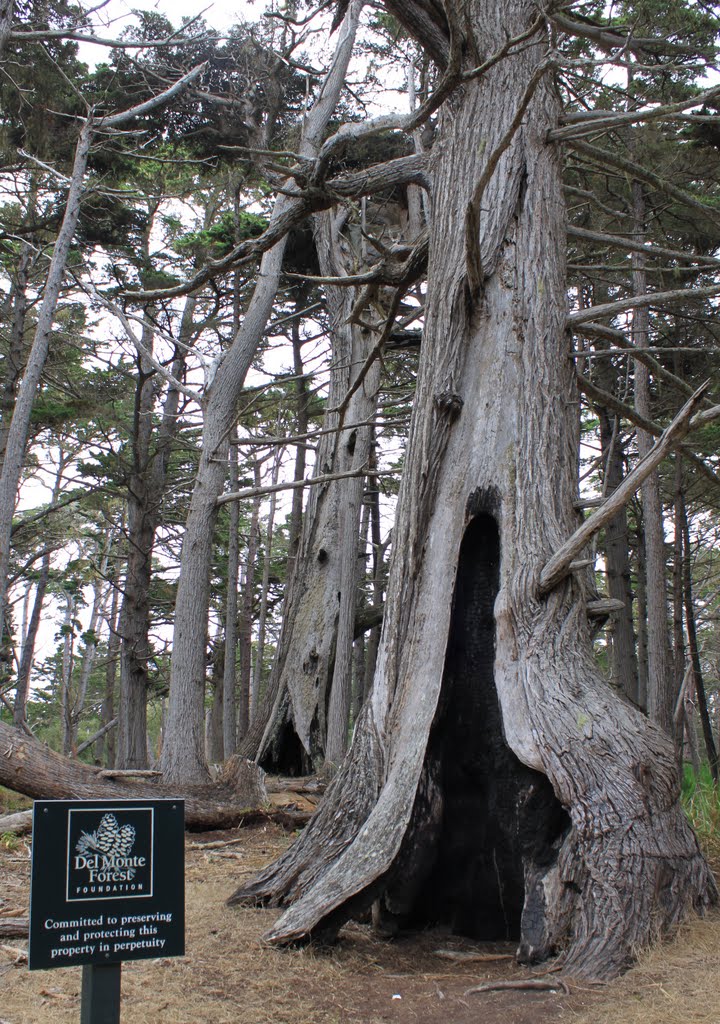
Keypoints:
(230, 977)
(674, 983)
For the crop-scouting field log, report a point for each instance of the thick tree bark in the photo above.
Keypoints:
(183, 757)
(29, 767)
(486, 691)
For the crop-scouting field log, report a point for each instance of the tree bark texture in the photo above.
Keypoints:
(490, 739)
(183, 756)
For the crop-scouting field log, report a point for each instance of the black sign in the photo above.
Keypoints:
(108, 881)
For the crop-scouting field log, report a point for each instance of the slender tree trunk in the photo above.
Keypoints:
(617, 557)
(265, 585)
(66, 672)
(19, 425)
(378, 567)
(302, 422)
(694, 650)
(87, 662)
(662, 689)
(183, 757)
(230, 675)
(106, 745)
(214, 732)
(496, 782)
(248, 698)
(15, 361)
(642, 613)
(151, 447)
(678, 644)
(22, 688)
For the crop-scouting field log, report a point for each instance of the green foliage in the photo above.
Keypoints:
(217, 240)
(701, 800)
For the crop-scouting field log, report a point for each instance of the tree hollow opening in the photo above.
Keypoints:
(493, 816)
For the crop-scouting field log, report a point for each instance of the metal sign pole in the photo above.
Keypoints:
(100, 995)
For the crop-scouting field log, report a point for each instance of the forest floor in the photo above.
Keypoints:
(228, 976)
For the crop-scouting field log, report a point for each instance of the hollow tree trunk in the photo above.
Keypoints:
(310, 683)
(600, 860)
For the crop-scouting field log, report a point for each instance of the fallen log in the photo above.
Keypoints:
(14, 927)
(17, 824)
(29, 767)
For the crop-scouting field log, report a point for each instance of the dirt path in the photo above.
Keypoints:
(229, 977)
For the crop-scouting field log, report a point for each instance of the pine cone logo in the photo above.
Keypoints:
(109, 838)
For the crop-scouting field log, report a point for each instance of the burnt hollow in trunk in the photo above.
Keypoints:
(492, 816)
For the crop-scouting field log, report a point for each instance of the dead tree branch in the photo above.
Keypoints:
(559, 566)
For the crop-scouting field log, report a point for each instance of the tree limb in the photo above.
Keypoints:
(558, 567)
(603, 157)
(611, 39)
(586, 125)
(408, 169)
(313, 481)
(642, 355)
(582, 316)
(629, 413)
(632, 245)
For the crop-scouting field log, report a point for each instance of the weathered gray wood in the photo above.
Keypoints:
(183, 755)
(17, 824)
(494, 434)
(557, 567)
(14, 927)
(29, 767)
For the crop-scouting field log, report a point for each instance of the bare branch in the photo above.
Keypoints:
(559, 566)
(41, 35)
(611, 39)
(588, 124)
(125, 319)
(582, 316)
(627, 412)
(402, 170)
(634, 246)
(604, 158)
(111, 120)
(313, 481)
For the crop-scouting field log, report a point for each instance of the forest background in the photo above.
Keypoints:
(213, 288)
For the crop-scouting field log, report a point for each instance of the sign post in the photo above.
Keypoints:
(108, 884)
